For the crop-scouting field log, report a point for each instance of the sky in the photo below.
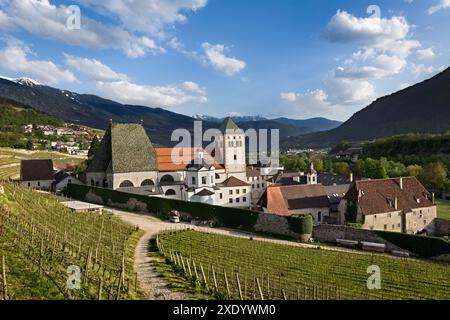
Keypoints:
(273, 58)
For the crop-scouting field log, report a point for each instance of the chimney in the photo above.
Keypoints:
(396, 203)
(351, 176)
(401, 183)
(433, 198)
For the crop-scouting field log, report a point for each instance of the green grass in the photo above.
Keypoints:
(40, 239)
(443, 207)
(304, 273)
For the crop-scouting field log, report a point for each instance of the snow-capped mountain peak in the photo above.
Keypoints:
(23, 81)
(27, 82)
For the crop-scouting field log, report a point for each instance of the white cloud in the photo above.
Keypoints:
(16, 57)
(370, 31)
(93, 69)
(425, 54)
(154, 96)
(423, 71)
(310, 103)
(215, 55)
(443, 4)
(193, 87)
(147, 15)
(42, 18)
(348, 91)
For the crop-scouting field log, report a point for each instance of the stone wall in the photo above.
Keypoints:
(275, 224)
(330, 233)
(441, 227)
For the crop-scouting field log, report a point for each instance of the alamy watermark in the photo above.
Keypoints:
(374, 280)
(73, 277)
(222, 145)
(73, 21)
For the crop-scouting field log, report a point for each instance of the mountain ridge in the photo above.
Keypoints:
(95, 112)
(420, 108)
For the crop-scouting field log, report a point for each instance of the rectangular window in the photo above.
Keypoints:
(238, 191)
(221, 196)
(244, 191)
(257, 185)
(244, 199)
(235, 157)
(193, 180)
(237, 200)
(39, 184)
(231, 200)
(212, 179)
(203, 180)
(231, 192)
(385, 227)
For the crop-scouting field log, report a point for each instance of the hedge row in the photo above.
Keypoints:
(228, 217)
(426, 247)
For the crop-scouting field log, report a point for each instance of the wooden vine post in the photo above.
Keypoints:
(5, 284)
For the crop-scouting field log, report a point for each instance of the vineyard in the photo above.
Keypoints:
(228, 267)
(10, 161)
(50, 252)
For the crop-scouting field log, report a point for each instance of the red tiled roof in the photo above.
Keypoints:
(274, 201)
(378, 196)
(166, 163)
(281, 199)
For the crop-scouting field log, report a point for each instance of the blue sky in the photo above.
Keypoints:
(292, 58)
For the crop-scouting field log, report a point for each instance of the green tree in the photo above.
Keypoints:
(341, 168)
(434, 175)
(30, 145)
(414, 170)
(94, 146)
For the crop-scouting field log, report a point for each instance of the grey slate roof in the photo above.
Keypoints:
(124, 148)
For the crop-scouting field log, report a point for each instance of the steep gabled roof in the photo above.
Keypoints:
(36, 170)
(124, 148)
(282, 199)
(229, 125)
(379, 196)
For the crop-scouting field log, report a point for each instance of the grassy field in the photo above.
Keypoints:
(10, 161)
(443, 209)
(299, 272)
(40, 239)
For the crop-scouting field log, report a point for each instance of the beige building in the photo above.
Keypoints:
(397, 205)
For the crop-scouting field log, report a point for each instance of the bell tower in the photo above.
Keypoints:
(233, 149)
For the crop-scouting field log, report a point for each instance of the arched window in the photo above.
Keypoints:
(167, 178)
(147, 182)
(170, 192)
(126, 184)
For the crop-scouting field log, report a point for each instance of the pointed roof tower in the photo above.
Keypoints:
(229, 125)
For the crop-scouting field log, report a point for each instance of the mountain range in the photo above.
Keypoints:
(94, 111)
(421, 108)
